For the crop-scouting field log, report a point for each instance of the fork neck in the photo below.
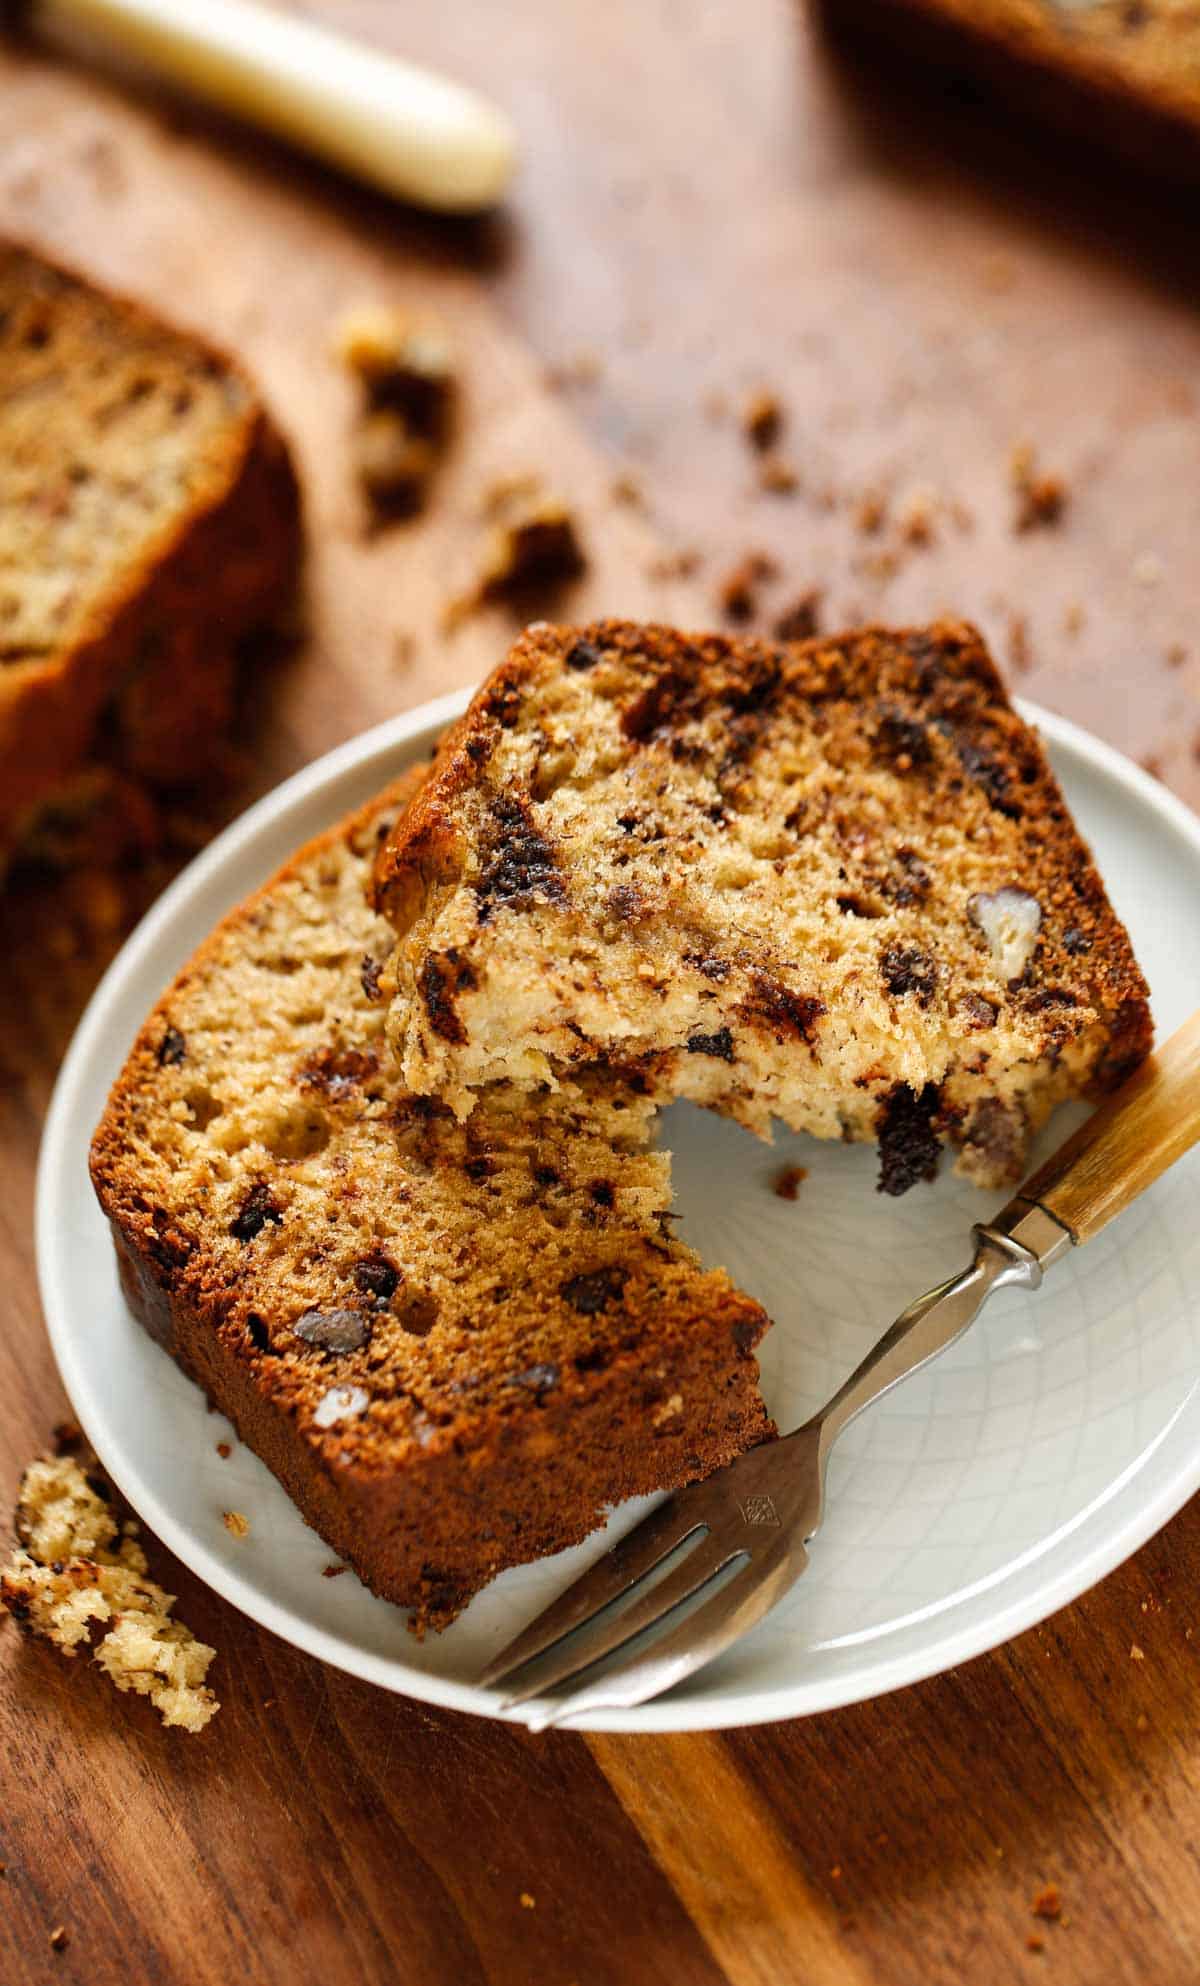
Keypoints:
(1013, 1250)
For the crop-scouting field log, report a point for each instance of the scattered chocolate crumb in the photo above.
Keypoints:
(393, 466)
(59, 1938)
(404, 647)
(533, 549)
(1151, 762)
(675, 565)
(1035, 1944)
(1177, 654)
(236, 1525)
(871, 513)
(224, 1450)
(788, 1181)
(737, 596)
(1041, 498)
(333, 1571)
(881, 566)
(1020, 652)
(762, 419)
(68, 1437)
(1047, 1903)
(581, 368)
(777, 476)
(802, 620)
(409, 390)
(627, 489)
(1074, 619)
(916, 519)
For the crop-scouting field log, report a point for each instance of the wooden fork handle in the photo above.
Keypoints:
(1149, 1123)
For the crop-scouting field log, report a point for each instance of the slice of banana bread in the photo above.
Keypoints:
(454, 1344)
(149, 518)
(834, 883)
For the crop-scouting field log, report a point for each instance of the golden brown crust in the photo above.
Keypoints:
(125, 654)
(531, 1346)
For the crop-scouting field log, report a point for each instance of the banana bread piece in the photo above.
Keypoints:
(454, 1344)
(1124, 72)
(834, 883)
(149, 518)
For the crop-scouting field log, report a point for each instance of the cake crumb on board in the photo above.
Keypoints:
(788, 1181)
(777, 476)
(681, 564)
(762, 419)
(802, 620)
(1041, 497)
(533, 549)
(409, 388)
(737, 596)
(1047, 1903)
(236, 1525)
(79, 1577)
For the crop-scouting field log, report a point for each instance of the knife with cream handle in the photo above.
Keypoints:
(412, 133)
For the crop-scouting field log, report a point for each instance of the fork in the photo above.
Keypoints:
(744, 1532)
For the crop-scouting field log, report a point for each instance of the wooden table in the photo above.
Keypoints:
(712, 200)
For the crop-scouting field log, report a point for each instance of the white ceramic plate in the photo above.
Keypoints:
(1033, 1457)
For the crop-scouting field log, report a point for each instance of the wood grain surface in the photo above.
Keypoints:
(713, 199)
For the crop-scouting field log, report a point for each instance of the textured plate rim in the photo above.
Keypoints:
(1041, 1588)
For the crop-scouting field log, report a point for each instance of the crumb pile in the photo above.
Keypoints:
(409, 387)
(80, 1577)
(834, 883)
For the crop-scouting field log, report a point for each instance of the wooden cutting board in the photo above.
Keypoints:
(712, 201)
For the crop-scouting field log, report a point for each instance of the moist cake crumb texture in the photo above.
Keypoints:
(79, 1578)
(834, 883)
(455, 1342)
(149, 518)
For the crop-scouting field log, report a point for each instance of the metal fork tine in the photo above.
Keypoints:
(620, 1568)
(702, 1564)
(703, 1635)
